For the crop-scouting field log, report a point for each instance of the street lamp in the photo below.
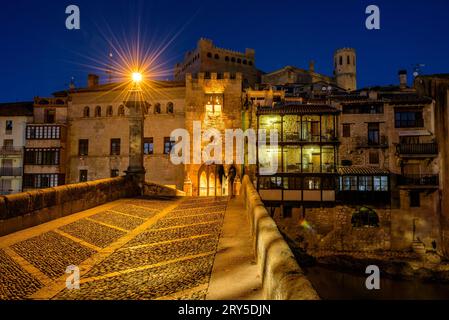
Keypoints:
(135, 103)
(136, 77)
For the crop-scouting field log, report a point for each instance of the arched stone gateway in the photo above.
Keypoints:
(365, 217)
(211, 179)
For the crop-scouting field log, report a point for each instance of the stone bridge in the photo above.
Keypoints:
(149, 242)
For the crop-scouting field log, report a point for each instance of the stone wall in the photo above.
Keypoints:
(330, 228)
(282, 278)
(156, 190)
(28, 209)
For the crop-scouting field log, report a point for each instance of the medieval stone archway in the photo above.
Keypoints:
(210, 181)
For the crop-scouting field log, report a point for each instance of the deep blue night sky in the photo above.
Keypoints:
(38, 55)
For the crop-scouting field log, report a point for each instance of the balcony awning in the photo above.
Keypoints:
(362, 171)
(410, 133)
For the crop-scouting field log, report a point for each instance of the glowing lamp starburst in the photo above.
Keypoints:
(136, 77)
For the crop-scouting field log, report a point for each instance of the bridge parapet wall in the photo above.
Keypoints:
(282, 278)
(28, 209)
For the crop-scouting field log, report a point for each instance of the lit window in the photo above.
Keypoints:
(168, 145)
(148, 146)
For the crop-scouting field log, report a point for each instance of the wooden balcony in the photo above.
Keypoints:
(418, 180)
(417, 149)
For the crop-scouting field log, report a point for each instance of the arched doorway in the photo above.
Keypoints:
(365, 217)
(203, 185)
(210, 181)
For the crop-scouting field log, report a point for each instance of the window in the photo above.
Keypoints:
(312, 183)
(341, 60)
(157, 108)
(348, 183)
(170, 108)
(8, 145)
(148, 146)
(168, 145)
(415, 201)
(83, 147)
(121, 111)
(348, 60)
(373, 133)
(109, 111)
(209, 55)
(98, 111)
(38, 181)
(226, 58)
(115, 147)
(270, 183)
(86, 112)
(365, 183)
(114, 173)
(217, 56)
(292, 183)
(408, 119)
(83, 175)
(42, 156)
(346, 130)
(8, 128)
(381, 183)
(43, 132)
(373, 157)
(50, 116)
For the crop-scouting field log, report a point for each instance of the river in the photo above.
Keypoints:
(337, 285)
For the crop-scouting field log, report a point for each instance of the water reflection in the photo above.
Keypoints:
(332, 285)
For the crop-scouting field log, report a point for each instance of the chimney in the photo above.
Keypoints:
(312, 66)
(92, 80)
(402, 79)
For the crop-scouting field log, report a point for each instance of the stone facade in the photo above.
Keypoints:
(164, 112)
(46, 149)
(215, 103)
(13, 120)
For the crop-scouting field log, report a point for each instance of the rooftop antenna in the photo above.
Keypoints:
(72, 83)
(417, 69)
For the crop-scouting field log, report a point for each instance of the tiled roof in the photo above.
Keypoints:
(297, 108)
(405, 98)
(369, 171)
(16, 109)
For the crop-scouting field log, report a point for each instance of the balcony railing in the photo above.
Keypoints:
(295, 137)
(10, 172)
(417, 148)
(10, 150)
(418, 180)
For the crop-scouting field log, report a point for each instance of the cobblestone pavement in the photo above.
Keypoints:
(128, 249)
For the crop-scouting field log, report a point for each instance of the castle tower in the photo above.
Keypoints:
(345, 68)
